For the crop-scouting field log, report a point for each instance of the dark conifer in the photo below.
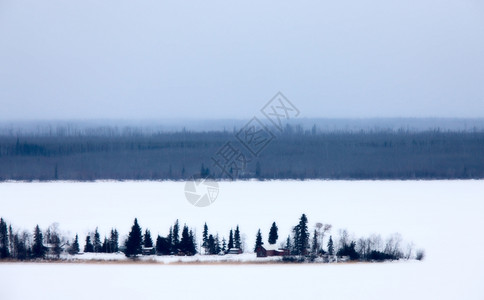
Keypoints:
(193, 244)
(273, 236)
(303, 239)
(176, 236)
(97, 242)
(315, 245)
(205, 237)
(38, 248)
(330, 246)
(186, 241)
(134, 241)
(147, 241)
(211, 245)
(113, 241)
(237, 242)
(163, 246)
(258, 240)
(88, 247)
(74, 248)
(231, 240)
(4, 244)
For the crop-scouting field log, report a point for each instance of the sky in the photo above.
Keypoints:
(116, 59)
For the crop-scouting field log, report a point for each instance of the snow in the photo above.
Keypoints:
(341, 281)
(169, 259)
(443, 217)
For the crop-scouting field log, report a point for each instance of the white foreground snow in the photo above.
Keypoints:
(443, 217)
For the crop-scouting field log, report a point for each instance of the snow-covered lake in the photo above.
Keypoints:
(443, 217)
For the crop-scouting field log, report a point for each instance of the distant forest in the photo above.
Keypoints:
(293, 153)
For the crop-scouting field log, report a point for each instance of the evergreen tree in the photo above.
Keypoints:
(315, 245)
(97, 242)
(4, 244)
(273, 236)
(105, 247)
(303, 239)
(56, 244)
(211, 245)
(88, 247)
(113, 241)
(186, 243)
(74, 248)
(217, 244)
(231, 240)
(169, 238)
(205, 238)
(163, 246)
(11, 241)
(147, 241)
(38, 248)
(20, 245)
(134, 241)
(258, 240)
(224, 245)
(237, 242)
(288, 243)
(176, 236)
(193, 244)
(330, 246)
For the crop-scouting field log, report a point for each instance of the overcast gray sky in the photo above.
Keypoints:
(221, 59)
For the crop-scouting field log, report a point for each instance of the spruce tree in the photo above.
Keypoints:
(205, 237)
(289, 244)
(315, 245)
(56, 244)
(211, 245)
(4, 245)
(134, 241)
(258, 240)
(113, 241)
(330, 246)
(231, 240)
(38, 248)
(217, 244)
(21, 249)
(74, 248)
(237, 242)
(88, 247)
(11, 242)
(224, 245)
(186, 241)
(163, 246)
(169, 239)
(97, 241)
(273, 234)
(303, 241)
(176, 236)
(147, 241)
(105, 247)
(193, 245)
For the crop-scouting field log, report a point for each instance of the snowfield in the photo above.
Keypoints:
(443, 217)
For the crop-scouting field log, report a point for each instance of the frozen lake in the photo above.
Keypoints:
(443, 217)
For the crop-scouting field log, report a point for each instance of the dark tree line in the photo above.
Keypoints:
(299, 246)
(294, 154)
(212, 244)
(373, 248)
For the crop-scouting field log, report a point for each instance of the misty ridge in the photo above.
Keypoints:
(303, 149)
